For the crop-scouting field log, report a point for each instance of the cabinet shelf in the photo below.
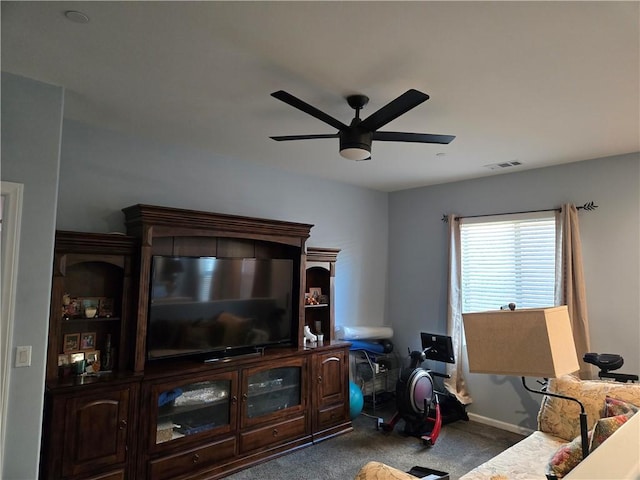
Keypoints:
(264, 391)
(90, 320)
(191, 421)
(320, 305)
(170, 410)
(192, 408)
(269, 390)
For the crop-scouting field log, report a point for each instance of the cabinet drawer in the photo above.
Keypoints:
(175, 465)
(115, 475)
(330, 416)
(273, 434)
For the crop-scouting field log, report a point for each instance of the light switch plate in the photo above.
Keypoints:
(23, 356)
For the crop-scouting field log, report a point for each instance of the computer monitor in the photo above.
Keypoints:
(437, 347)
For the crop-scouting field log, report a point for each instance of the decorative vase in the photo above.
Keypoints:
(107, 357)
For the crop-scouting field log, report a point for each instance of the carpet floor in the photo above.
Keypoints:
(461, 446)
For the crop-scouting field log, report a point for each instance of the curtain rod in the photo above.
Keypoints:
(589, 206)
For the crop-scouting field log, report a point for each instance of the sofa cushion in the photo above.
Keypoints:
(615, 458)
(565, 458)
(605, 427)
(615, 406)
(561, 417)
(569, 455)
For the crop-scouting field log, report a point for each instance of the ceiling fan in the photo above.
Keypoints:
(356, 138)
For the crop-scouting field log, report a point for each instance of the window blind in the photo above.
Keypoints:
(508, 260)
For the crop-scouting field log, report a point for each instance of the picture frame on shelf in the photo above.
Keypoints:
(105, 307)
(92, 356)
(315, 292)
(76, 357)
(63, 360)
(88, 341)
(71, 342)
(93, 361)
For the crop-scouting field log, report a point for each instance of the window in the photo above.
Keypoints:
(508, 259)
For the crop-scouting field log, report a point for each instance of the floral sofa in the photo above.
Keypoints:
(555, 448)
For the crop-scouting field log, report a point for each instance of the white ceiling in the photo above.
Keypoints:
(542, 83)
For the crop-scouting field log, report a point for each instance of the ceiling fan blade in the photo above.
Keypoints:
(309, 109)
(305, 137)
(405, 102)
(412, 137)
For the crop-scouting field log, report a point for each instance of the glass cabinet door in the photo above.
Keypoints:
(194, 408)
(268, 391)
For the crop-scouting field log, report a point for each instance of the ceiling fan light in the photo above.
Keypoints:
(355, 153)
(355, 144)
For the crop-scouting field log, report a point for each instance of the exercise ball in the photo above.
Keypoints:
(356, 402)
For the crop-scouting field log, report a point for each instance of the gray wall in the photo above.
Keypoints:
(611, 252)
(31, 127)
(103, 172)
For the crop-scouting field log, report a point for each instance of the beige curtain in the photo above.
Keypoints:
(456, 383)
(570, 286)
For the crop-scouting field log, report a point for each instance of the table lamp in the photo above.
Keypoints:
(534, 342)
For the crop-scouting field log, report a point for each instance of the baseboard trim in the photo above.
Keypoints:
(509, 427)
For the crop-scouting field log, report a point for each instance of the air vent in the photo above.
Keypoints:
(501, 165)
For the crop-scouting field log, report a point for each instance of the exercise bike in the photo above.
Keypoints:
(607, 362)
(417, 400)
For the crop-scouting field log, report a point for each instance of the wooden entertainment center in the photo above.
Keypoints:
(181, 418)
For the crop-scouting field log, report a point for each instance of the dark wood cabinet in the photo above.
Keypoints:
(330, 393)
(88, 416)
(89, 431)
(90, 269)
(319, 309)
(192, 463)
(182, 418)
(191, 422)
(274, 390)
(220, 418)
(96, 429)
(191, 409)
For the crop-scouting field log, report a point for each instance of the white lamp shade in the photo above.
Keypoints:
(355, 153)
(528, 342)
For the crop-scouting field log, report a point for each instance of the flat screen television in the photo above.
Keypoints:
(437, 347)
(217, 307)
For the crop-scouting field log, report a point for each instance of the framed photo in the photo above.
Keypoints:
(71, 342)
(76, 357)
(93, 356)
(63, 360)
(88, 341)
(315, 292)
(105, 308)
